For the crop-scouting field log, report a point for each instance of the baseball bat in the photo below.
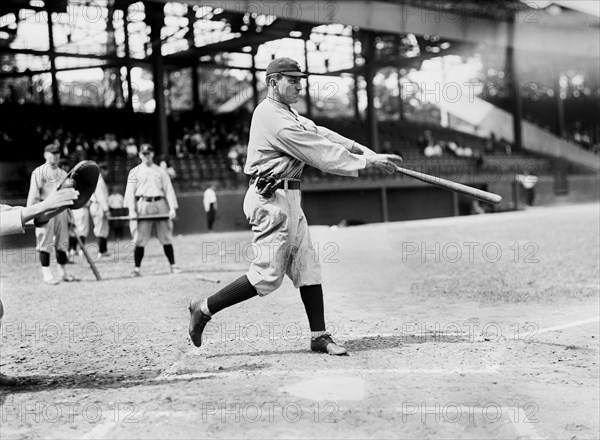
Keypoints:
(140, 218)
(469, 191)
(85, 253)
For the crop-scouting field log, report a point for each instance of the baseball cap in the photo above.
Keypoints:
(52, 148)
(285, 66)
(146, 148)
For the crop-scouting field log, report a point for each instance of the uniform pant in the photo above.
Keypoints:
(142, 231)
(54, 234)
(101, 226)
(281, 241)
(81, 218)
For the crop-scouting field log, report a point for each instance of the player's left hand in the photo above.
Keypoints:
(172, 214)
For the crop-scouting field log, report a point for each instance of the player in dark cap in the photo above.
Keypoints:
(281, 143)
(149, 191)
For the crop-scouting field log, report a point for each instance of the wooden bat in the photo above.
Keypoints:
(85, 253)
(469, 191)
(88, 259)
(140, 218)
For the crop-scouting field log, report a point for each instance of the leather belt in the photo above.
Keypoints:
(149, 199)
(284, 184)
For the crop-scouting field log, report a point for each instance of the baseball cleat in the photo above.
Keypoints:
(198, 321)
(324, 344)
(52, 281)
(175, 270)
(136, 273)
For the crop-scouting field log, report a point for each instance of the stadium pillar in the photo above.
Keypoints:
(355, 68)
(155, 19)
(400, 101)
(129, 102)
(307, 94)
(191, 16)
(52, 57)
(560, 105)
(515, 86)
(370, 70)
(254, 82)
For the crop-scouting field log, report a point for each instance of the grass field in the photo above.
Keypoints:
(470, 327)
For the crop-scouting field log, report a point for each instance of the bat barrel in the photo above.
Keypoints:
(466, 190)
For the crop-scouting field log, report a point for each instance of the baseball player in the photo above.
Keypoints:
(100, 211)
(55, 233)
(12, 221)
(281, 143)
(210, 205)
(149, 192)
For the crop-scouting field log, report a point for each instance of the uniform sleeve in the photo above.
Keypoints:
(330, 135)
(10, 220)
(34, 195)
(169, 190)
(129, 198)
(319, 152)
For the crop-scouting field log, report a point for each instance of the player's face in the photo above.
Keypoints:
(147, 158)
(289, 88)
(52, 158)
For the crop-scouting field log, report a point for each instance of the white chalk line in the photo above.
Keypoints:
(323, 372)
(569, 325)
(174, 368)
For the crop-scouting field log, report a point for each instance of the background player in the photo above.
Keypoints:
(281, 143)
(44, 180)
(99, 211)
(149, 191)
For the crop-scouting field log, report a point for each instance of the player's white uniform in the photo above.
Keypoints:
(99, 207)
(44, 180)
(81, 220)
(149, 191)
(281, 143)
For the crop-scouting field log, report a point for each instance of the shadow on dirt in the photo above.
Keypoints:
(40, 383)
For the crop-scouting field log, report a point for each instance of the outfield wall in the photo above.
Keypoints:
(365, 202)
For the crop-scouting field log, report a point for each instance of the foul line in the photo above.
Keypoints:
(171, 373)
(572, 324)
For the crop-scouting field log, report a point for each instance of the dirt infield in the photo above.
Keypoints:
(470, 327)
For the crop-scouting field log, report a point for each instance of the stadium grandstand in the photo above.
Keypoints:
(459, 89)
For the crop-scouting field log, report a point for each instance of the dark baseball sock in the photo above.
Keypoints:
(61, 258)
(45, 259)
(72, 243)
(82, 238)
(169, 253)
(102, 248)
(138, 254)
(234, 293)
(312, 297)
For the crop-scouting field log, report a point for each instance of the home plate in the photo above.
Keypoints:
(329, 388)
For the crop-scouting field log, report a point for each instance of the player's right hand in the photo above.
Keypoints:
(61, 198)
(383, 162)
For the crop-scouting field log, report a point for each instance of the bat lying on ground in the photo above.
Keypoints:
(469, 191)
(140, 218)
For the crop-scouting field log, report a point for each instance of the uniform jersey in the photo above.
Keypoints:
(149, 181)
(281, 142)
(100, 195)
(44, 180)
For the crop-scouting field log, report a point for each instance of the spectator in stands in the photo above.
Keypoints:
(166, 165)
(490, 143)
(131, 148)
